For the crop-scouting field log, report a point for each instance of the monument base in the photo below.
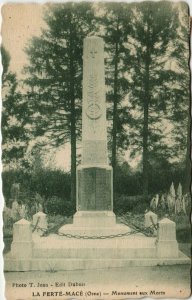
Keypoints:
(94, 218)
(57, 253)
(94, 223)
(87, 244)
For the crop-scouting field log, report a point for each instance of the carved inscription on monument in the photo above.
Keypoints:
(94, 189)
(86, 189)
(93, 110)
(101, 189)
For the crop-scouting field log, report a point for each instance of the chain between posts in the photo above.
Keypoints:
(36, 225)
(153, 223)
(137, 229)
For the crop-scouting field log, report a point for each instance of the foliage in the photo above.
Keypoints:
(161, 175)
(49, 73)
(46, 183)
(56, 205)
(127, 182)
(113, 21)
(183, 228)
(5, 56)
(152, 77)
(15, 134)
(50, 183)
(179, 110)
(55, 76)
(172, 202)
(134, 204)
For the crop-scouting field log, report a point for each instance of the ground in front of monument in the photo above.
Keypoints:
(117, 283)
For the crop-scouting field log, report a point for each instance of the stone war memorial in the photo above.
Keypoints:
(94, 240)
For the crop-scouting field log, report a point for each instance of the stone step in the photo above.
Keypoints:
(60, 264)
(94, 219)
(83, 253)
(54, 241)
(132, 246)
(94, 231)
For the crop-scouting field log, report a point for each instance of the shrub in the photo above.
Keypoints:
(135, 204)
(55, 206)
(45, 182)
(51, 183)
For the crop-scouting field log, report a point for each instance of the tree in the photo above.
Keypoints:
(15, 135)
(112, 21)
(5, 62)
(179, 111)
(55, 76)
(149, 42)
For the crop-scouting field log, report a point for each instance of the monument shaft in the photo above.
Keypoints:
(94, 134)
(94, 176)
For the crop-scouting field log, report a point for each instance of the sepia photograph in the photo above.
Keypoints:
(96, 168)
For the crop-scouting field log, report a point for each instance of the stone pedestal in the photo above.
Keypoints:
(167, 245)
(21, 246)
(150, 219)
(94, 219)
(94, 188)
(94, 223)
(40, 220)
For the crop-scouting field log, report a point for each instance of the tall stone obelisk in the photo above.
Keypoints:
(94, 176)
(94, 133)
(94, 207)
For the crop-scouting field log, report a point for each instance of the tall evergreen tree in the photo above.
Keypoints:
(113, 21)
(179, 112)
(154, 27)
(15, 134)
(55, 75)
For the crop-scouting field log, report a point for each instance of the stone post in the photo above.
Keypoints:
(167, 245)
(150, 219)
(21, 247)
(40, 220)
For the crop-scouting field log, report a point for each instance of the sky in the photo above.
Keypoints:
(15, 36)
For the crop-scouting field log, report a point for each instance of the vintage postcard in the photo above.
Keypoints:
(96, 150)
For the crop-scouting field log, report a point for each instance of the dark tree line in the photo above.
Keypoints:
(147, 79)
(56, 76)
(15, 134)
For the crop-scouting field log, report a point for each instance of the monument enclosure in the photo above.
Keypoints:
(126, 62)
